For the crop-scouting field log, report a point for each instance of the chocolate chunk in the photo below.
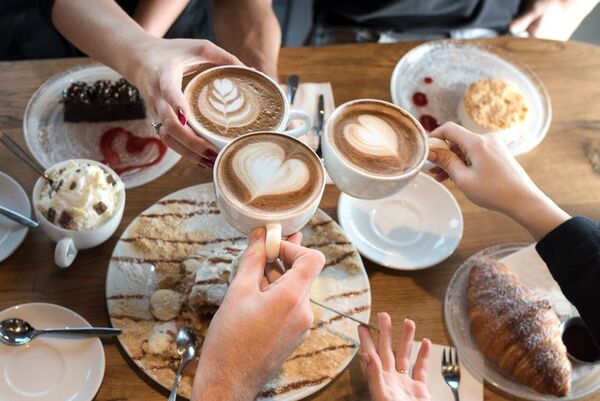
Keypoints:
(65, 219)
(100, 208)
(51, 215)
(110, 179)
(73, 185)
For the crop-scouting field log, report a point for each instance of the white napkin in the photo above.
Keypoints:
(469, 389)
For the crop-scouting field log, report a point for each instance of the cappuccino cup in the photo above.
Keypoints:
(230, 101)
(269, 180)
(372, 148)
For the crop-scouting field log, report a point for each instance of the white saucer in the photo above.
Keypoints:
(416, 228)
(50, 368)
(13, 197)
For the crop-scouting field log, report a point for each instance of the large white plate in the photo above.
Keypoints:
(170, 234)
(453, 66)
(50, 140)
(12, 233)
(585, 380)
(416, 228)
(50, 368)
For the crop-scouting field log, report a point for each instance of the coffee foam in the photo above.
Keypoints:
(377, 139)
(231, 102)
(269, 173)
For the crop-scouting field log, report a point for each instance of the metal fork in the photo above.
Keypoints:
(451, 371)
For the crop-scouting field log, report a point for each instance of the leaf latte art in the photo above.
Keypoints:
(228, 103)
(372, 135)
(263, 169)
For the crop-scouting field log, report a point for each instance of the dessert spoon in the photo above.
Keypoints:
(16, 331)
(186, 348)
(21, 154)
(18, 217)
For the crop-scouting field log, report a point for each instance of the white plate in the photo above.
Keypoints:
(585, 380)
(12, 233)
(50, 140)
(416, 228)
(50, 368)
(453, 66)
(173, 233)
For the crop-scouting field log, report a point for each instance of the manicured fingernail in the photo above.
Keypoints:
(209, 163)
(365, 358)
(210, 154)
(256, 234)
(182, 117)
(203, 165)
(432, 156)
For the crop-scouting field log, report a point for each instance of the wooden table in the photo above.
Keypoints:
(570, 71)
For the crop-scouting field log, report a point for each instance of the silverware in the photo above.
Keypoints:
(344, 315)
(18, 217)
(451, 371)
(292, 86)
(320, 120)
(24, 156)
(18, 332)
(186, 349)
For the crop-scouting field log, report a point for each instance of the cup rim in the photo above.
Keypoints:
(199, 128)
(282, 216)
(38, 187)
(355, 169)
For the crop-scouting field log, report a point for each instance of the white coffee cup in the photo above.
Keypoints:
(289, 114)
(360, 184)
(69, 242)
(276, 225)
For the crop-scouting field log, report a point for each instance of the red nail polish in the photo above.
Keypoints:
(182, 117)
(210, 154)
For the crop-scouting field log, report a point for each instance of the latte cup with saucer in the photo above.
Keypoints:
(268, 180)
(230, 101)
(372, 148)
(90, 189)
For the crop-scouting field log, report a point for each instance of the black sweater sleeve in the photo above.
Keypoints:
(572, 253)
(46, 8)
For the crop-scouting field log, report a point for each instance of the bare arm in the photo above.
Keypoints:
(250, 30)
(157, 16)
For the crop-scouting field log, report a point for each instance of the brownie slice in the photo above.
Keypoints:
(102, 101)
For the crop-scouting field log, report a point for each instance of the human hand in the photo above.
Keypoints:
(259, 324)
(157, 69)
(552, 19)
(486, 172)
(387, 374)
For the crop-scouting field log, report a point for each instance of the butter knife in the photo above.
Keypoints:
(320, 120)
(18, 217)
(292, 86)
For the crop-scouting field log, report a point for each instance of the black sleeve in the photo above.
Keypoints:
(46, 9)
(572, 253)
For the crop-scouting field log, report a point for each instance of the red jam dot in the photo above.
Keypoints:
(428, 80)
(429, 122)
(420, 99)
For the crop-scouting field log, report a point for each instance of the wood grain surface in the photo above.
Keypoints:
(570, 71)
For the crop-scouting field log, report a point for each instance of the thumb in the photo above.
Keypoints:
(522, 22)
(216, 55)
(448, 161)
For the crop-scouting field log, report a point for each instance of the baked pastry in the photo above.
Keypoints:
(516, 330)
(494, 106)
(103, 101)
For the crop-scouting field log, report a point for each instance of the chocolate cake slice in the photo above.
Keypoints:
(102, 101)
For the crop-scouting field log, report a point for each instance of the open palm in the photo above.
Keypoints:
(387, 374)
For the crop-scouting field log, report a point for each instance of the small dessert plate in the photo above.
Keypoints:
(416, 228)
(50, 368)
(14, 197)
(51, 140)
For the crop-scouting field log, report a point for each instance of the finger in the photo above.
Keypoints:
(441, 176)
(251, 268)
(522, 22)
(449, 161)
(535, 28)
(188, 154)
(170, 89)
(371, 362)
(295, 238)
(306, 264)
(420, 369)
(216, 55)
(274, 271)
(384, 346)
(366, 341)
(456, 134)
(405, 347)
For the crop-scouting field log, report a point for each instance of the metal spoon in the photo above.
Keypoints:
(21, 154)
(18, 332)
(186, 348)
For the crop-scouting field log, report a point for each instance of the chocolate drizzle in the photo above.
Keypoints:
(320, 351)
(336, 261)
(292, 386)
(186, 215)
(191, 202)
(181, 241)
(348, 294)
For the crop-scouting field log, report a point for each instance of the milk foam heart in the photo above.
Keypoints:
(225, 102)
(262, 168)
(372, 135)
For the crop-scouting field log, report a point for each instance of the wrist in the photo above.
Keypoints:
(138, 51)
(216, 382)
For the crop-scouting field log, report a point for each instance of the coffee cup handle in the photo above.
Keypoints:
(434, 143)
(65, 252)
(296, 114)
(273, 242)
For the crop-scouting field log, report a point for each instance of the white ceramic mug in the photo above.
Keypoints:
(360, 184)
(69, 242)
(288, 116)
(276, 225)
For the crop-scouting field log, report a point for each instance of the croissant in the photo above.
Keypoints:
(516, 330)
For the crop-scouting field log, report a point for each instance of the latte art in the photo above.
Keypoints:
(226, 103)
(372, 135)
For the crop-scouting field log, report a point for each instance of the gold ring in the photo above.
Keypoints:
(404, 372)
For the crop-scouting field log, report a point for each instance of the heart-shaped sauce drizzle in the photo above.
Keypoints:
(133, 148)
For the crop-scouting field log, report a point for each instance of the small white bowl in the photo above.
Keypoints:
(69, 242)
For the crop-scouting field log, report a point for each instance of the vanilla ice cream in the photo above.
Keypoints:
(84, 196)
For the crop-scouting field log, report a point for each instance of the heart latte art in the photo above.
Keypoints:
(228, 103)
(372, 135)
(269, 173)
